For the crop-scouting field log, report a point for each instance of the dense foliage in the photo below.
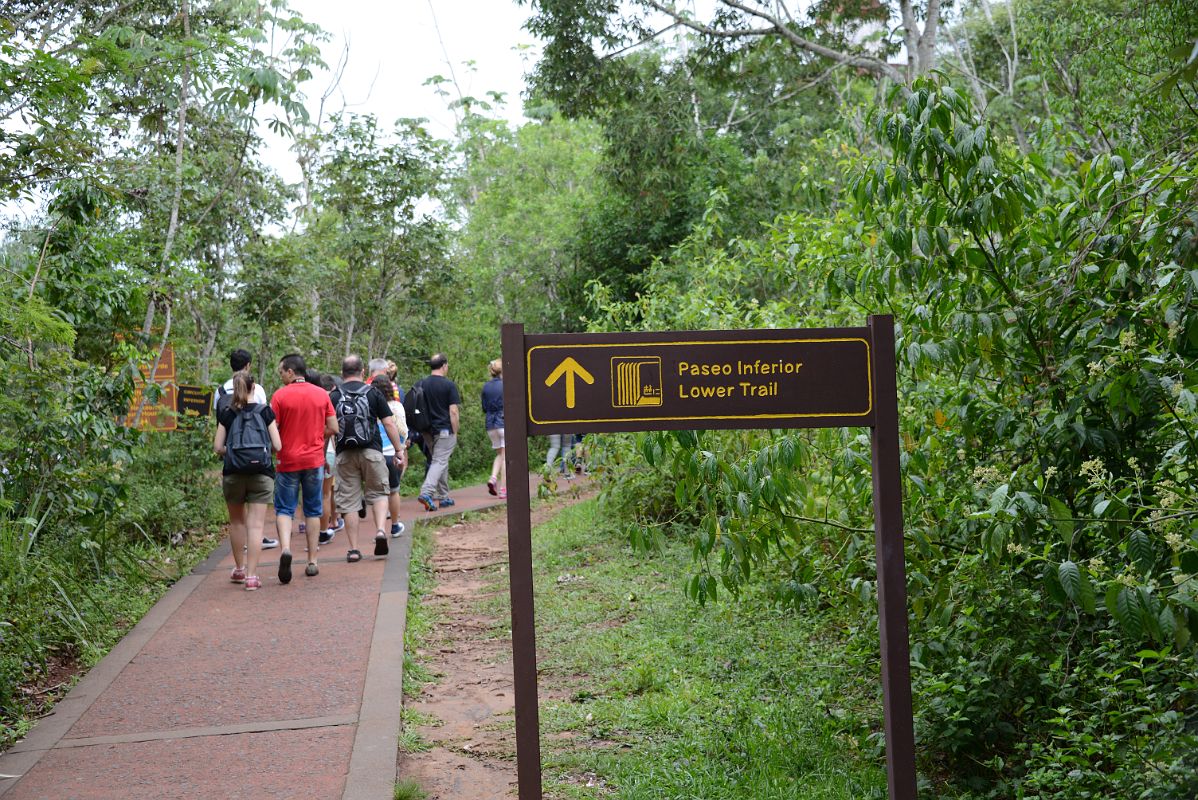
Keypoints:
(1022, 194)
(1043, 274)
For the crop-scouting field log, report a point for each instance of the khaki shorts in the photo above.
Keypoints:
(361, 474)
(248, 488)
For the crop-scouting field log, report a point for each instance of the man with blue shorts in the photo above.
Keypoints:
(306, 420)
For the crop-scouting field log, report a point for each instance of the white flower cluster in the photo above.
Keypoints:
(1127, 579)
(983, 476)
(1095, 471)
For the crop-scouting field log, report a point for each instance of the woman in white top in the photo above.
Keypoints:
(395, 453)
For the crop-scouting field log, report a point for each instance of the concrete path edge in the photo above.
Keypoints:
(373, 764)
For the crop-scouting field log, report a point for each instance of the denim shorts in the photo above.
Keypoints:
(287, 489)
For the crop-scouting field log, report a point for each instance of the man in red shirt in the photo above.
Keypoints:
(306, 421)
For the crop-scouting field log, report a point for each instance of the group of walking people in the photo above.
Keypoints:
(341, 446)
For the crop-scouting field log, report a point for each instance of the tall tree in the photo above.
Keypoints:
(378, 227)
(840, 33)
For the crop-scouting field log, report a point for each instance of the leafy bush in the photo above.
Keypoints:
(1048, 356)
(89, 514)
(171, 485)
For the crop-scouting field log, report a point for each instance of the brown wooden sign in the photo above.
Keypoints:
(193, 401)
(690, 379)
(670, 380)
(158, 415)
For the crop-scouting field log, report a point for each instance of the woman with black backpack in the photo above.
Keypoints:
(247, 436)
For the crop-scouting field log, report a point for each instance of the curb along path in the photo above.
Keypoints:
(290, 691)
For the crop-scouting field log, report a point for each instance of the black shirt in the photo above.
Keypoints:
(440, 393)
(378, 410)
(226, 415)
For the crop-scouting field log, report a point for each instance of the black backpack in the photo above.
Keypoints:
(247, 446)
(415, 409)
(354, 418)
(222, 400)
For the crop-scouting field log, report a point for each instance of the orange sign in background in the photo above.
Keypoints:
(160, 414)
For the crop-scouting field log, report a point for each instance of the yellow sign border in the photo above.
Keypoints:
(868, 374)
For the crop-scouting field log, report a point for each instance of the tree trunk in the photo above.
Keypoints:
(920, 45)
(209, 347)
(172, 229)
(314, 301)
(349, 328)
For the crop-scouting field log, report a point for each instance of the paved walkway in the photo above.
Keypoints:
(221, 692)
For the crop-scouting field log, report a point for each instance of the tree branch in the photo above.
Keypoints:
(779, 99)
(827, 522)
(779, 27)
(637, 44)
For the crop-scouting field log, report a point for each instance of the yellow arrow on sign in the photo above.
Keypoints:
(569, 368)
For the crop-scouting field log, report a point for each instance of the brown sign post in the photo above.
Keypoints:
(682, 380)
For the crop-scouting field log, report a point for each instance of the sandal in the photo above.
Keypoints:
(311, 570)
(380, 544)
(353, 556)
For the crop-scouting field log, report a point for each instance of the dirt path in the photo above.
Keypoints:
(473, 754)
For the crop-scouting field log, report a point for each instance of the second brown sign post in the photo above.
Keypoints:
(682, 380)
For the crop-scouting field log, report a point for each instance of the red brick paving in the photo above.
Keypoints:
(284, 657)
(230, 656)
(285, 764)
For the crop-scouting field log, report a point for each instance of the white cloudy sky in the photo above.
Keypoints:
(394, 47)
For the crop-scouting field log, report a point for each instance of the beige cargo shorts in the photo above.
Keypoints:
(361, 475)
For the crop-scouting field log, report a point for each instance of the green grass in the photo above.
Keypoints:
(408, 789)
(670, 700)
(410, 740)
(420, 620)
(413, 742)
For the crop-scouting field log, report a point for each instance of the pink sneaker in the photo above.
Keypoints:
(503, 492)
(238, 575)
(252, 582)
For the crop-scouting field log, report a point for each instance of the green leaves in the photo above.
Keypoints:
(1124, 605)
(1077, 585)
(1141, 552)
